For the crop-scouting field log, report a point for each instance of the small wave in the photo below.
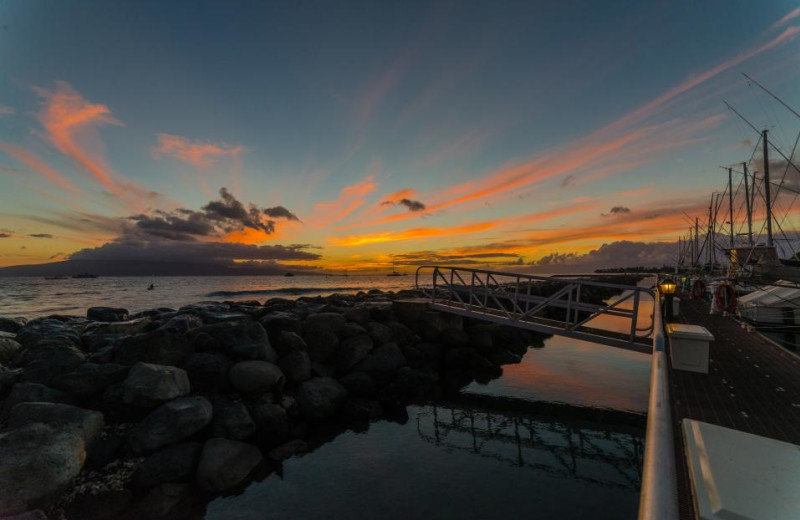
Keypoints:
(286, 290)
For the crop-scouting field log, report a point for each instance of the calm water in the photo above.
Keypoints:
(32, 297)
(466, 458)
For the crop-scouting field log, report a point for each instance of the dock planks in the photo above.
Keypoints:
(753, 385)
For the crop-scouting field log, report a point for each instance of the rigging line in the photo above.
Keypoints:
(786, 170)
(779, 100)
(757, 130)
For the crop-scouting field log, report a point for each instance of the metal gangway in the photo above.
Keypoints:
(551, 305)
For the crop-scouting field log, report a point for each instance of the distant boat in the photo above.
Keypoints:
(151, 287)
(84, 275)
(395, 273)
(288, 274)
(56, 277)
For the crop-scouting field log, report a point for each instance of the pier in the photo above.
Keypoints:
(753, 385)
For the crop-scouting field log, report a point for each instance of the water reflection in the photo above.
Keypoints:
(474, 457)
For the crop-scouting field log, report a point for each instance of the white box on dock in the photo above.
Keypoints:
(688, 347)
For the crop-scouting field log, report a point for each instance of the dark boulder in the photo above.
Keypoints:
(36, 463)
(351, 351)
(359, 384)
(321, 334)
(358, 314)
(288, 450)
(33, 393)
(240, 340)
(107, 314)
(164, 500)
(182, 323)
(320, 398)
(401, 334)
(351, 330)
(383, 362)
(176, 463)
(89, 422)
(9, 349)
(48, 330)
(257, 377)
(296, 366)
(454, 338)
(289, 342)
(171, 422)
(208, 372)
(277, 322)
(232, 421)
(90, 379)
(225, 464)
(12, 325)
(272, 423)
(159, 347)
(47, 360)
(362, 409)
(379, 332)
(467, 358)
(149, 385)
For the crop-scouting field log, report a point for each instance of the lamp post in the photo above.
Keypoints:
(667, 287)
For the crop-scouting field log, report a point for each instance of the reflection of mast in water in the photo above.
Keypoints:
(596, 456)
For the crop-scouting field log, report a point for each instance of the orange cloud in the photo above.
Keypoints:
(33, 162)
(350, 198)
(197, 153)
(64, 115)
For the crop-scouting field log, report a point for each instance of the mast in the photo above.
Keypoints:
(730, 201)
(749, 208)
(696, 240)
(766, 189)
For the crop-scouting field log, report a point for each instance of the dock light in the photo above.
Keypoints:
(667, 287)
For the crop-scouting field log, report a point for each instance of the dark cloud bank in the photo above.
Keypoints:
(185, 242)
(616, 254)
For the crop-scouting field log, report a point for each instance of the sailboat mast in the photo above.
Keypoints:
(730, 201)
(767, 199)
(696, 258)
(749, 207)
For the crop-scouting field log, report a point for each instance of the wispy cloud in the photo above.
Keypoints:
(41, 235)
(35, 163)
(6, 111)
(350, 198)
(195, 152)
(786, 19)
(64, 115)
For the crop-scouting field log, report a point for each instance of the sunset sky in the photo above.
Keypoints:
(367, 135)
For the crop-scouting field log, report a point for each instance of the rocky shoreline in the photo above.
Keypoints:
(151, 415)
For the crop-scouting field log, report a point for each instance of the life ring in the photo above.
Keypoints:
(725, 298)
(698, 290)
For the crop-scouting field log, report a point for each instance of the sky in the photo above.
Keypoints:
(370, 135)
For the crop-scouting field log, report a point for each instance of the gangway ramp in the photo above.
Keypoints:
(552, 305)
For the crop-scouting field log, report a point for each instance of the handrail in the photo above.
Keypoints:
(658, 499)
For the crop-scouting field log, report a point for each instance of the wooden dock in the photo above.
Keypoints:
(753, 385)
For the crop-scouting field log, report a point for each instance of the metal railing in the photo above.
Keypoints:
(545, 304)
(658, 499)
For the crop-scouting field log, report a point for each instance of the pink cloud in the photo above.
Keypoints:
(195, 152)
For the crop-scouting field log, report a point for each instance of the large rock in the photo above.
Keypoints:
(351, 351)
(90, 379)
(241, 340)
(208, 372)
(359, 384)
(256, 377)
(33, 393)
(176, 463)
(232, 421)
(115, 328)
(225, 464)
(148, 385)
(383, 362)
(296, 366)
(321, 334)
(160, 347)
(107, 314)
(12, 325)
(379, 332)
(182, 323)
(8, 376)
(47, 360)
(289, 342)
(37, 462)
(277, 322)
(272, 423)
(89, 422)
(8, 350)
(320, 398)
(401, 334)
(49, 330)
(170, 423)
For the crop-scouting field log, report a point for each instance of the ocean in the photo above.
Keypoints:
(32, 297)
